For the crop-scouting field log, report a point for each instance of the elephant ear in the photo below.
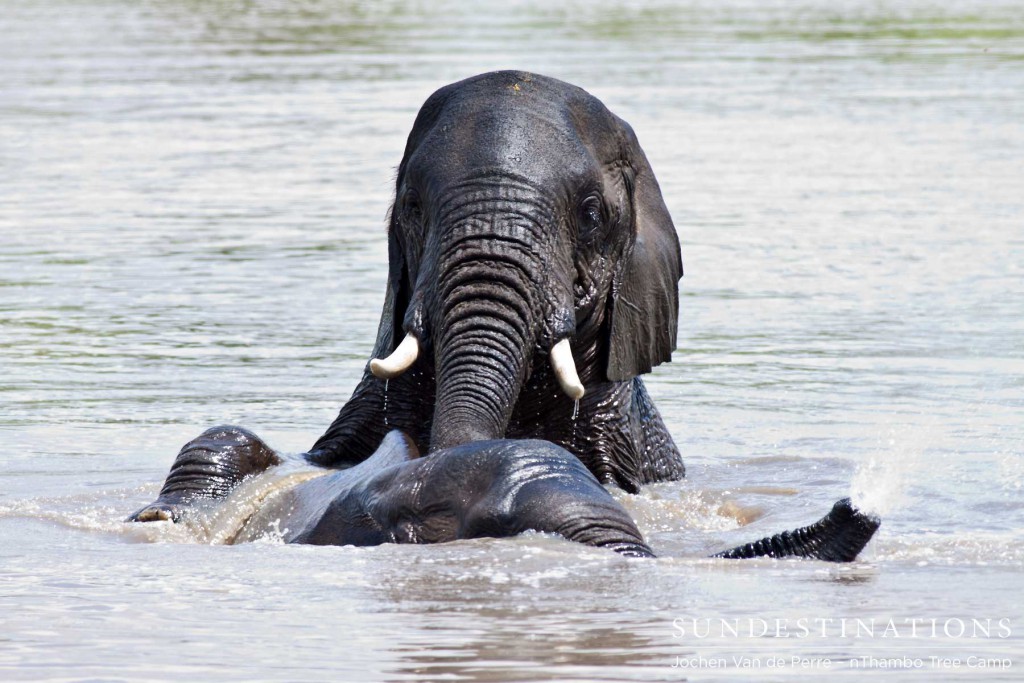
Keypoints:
(645, 294)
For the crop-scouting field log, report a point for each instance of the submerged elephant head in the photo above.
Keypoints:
(532, 262)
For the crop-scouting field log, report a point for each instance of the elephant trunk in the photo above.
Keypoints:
(485, 331)
(839, 536)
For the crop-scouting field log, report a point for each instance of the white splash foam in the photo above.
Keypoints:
(672, 507)
(879, 485)
(228, 518)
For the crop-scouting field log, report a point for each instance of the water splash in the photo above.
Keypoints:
(214, 522)
(671, 507)
(880, 484)
(223, 522)
(227, 521)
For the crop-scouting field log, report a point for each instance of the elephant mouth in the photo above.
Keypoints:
(405, 355)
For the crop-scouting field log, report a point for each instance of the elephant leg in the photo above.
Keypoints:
(376, 408)
(208, 468)
(839, 536)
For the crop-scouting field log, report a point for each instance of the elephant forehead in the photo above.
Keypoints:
(530, 137)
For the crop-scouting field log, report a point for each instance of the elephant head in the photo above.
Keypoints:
(533, 271)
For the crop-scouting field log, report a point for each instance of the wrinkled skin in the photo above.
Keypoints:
(525, 213)
(481, 489)
(526, 217)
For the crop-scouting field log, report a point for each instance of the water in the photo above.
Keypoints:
(192, 201)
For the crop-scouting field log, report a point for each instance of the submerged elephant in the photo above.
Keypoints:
(483, 489)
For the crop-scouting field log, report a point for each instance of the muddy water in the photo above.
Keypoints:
(192, 201)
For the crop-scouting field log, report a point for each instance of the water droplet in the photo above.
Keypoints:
(386, 402)
(575, 415)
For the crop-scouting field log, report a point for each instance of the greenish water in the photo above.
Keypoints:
(192, 201)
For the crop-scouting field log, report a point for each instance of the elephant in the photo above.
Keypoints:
(533, 273)
(480, 489)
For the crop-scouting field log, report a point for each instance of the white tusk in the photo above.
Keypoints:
(400, 360)
(565, 370)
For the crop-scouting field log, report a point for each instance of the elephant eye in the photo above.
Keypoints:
(590, 216)
(411, 209)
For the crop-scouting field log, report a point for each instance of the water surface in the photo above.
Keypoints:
(192, 201)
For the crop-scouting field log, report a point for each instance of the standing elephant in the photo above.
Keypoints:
(533, 271)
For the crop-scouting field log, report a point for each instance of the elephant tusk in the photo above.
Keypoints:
(400, 360)
(565, 370)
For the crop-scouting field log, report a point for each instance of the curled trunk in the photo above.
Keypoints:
(839, 536)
